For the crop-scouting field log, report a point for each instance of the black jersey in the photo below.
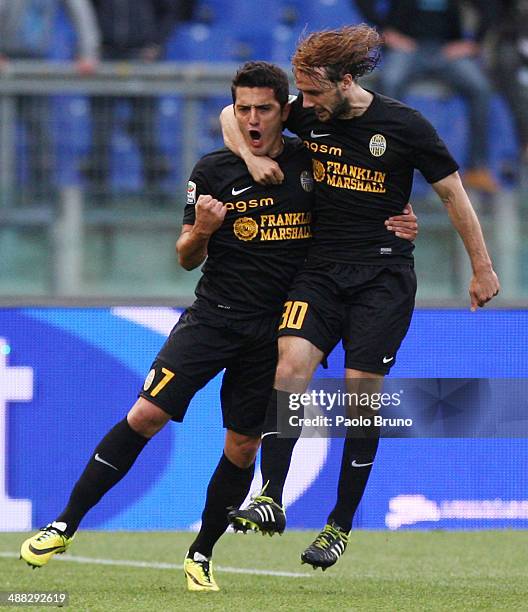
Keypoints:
(363, 170)
(263, 241)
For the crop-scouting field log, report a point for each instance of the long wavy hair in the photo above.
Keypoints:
(353, 50)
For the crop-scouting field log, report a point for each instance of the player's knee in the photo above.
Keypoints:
(147, 419)
(242, 450)
(289, 371)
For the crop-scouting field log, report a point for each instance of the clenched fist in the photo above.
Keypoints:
(210, 214)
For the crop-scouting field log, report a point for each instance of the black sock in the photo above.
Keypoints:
(356, 464)
(276, 453)
(228, 487)
(111, 460)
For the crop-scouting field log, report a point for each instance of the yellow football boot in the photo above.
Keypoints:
(199, 573)
(40, 548)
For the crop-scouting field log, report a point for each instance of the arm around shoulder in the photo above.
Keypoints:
(231, 133)
(262, 168)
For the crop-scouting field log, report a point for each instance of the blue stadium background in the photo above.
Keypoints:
(89, 363)
(235, 31)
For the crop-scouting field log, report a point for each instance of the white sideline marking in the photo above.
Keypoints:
(169, 566)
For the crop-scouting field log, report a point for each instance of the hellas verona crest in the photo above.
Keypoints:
(149, 380)
(378, 145)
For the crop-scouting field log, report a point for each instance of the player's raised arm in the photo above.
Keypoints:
(262, 168)
(192, 243)
(484, 284)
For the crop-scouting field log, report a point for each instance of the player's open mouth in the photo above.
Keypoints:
(255, 137)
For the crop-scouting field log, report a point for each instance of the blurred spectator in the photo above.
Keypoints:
(510, 62)
(132, 30)
(26, 32)
(425, 38)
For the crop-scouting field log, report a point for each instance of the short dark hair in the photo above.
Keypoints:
(262, 74)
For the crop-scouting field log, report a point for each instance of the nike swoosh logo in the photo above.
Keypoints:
(195, 580)
(97, 458)
(236, 192)
(387, 359)
(44, 551)
(355, 464)
(314, 135)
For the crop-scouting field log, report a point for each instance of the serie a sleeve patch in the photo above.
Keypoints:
(191, 193)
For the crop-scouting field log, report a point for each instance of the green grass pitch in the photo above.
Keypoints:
(435, 570)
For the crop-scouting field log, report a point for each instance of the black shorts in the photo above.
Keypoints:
(199, 347)
(368, 307)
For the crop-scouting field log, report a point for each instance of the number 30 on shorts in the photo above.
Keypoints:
(293, 315)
